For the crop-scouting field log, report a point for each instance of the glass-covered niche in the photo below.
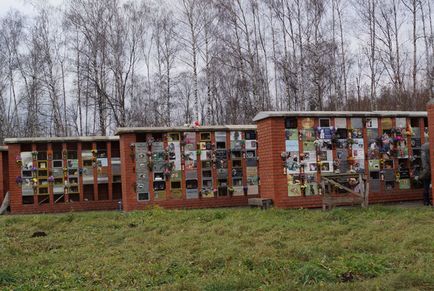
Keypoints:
(292, 157)
(102, 163)
(190, 164)
(175, 157)
(158, 160)
(237, 148)
(251, 163)
(206, 156)
(142, 171)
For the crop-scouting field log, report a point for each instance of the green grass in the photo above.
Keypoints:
(381, 248)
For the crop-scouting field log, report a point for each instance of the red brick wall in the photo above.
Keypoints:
(4, 183)
(129, 198)
(128, 172)
(16, 194)
(430, 111)
(271, 142)
(14, 172)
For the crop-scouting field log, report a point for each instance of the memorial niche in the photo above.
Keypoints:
(102, 163)
(238, 153)
(316, 143)
(291, 157)
(190, 165)
(26, 179)
(174, 162)
(142, 171)
(159, 159)
(55, 157)
(206, 157)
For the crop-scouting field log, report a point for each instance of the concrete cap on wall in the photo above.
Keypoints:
(124, 130)
(269, 114)
(21, 140)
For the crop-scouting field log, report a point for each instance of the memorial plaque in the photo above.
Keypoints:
(190, 174)
(389, 175)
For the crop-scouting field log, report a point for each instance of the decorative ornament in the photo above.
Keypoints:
(65, 154)
(19, 161)
(19, 180)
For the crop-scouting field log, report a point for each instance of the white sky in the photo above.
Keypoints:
(22, 5)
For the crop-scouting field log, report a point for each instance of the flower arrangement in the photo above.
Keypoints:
(19, 180)
(51, 179)
(34, 182)
(168, 168)
(149, 140)
(34, 155)
(65, 154)
(19, 161)
(132, 151)
(150, 165)
(352, 182)
(409, 131)
(335, 138)
(185, 156)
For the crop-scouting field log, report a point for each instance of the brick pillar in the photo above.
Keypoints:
(430, 111)
(109, 171)
(3, 177)
(129, 196)
(14, 171)
(271, 136)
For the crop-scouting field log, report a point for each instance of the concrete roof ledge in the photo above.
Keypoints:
(124, 130)
(60, 139)
(269, 114)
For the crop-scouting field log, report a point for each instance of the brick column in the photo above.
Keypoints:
(430, 111)
(14, 171)
(129, 196)
(109, 171)
(3, 177)
(271, 135)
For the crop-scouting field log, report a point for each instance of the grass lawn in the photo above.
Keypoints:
(384, 248)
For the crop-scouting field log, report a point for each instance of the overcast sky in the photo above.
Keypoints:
(24, 6)
(21, 5)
